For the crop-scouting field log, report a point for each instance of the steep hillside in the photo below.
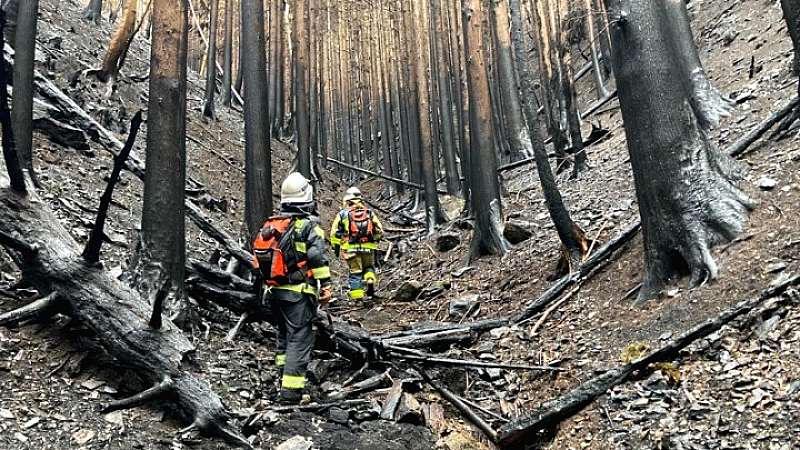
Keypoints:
(737, 388)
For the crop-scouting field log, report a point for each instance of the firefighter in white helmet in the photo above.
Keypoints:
(355, 234)
(296, 282)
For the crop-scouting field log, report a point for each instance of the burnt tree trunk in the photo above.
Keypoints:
(433, 210)
(118, 47)
(276, 66)
(791, 13)
(511, 113)
(550, 75)
(211, 61)
(93, 11)
(443, 77)
(300, 52)
(10, 155)
(594, 36)
(161, 251)
(687, 199)
(22, 102)
(258, 169)
(484, 185)
(567, 90)
(555, 204)
(226, 93)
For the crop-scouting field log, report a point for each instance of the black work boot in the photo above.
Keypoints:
(370, 282)
(291, 396)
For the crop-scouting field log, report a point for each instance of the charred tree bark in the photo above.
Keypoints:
(444, 75)
(10, 155)
(550, 75)
(567, 90)
(258, 167)
(433, 210)
(161, 251)
(22, 102)
(555, 204)
(707, 102)
(301, 53)
(314, 35)
(227, 57)
(461, 43)
(687, 199)
(484, 185)
(211, 61)
(276, 67)
(117, 314)
(511, 110)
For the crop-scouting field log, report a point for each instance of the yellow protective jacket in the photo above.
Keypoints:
(340, 231)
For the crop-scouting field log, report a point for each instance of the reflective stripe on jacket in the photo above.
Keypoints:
(340, 231)
(310, 242)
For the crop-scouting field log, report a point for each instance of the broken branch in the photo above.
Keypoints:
(91, 253)
(43, 307)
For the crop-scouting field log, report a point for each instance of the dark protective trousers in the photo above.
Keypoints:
(295, 337)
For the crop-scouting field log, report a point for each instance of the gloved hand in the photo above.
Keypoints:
(325, 295)
(336, 250)
(258, 281)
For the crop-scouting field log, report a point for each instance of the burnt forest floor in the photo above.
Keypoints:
(738, 388)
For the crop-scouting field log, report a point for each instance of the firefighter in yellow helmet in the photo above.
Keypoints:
(355, 234)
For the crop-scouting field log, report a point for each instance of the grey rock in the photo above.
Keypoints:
(409, 410)
(517, 231)
(408, 291)
(486, 347)
(767, 183)
(462, 306)
(339, 415)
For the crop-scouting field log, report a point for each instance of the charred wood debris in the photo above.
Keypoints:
(395, 366)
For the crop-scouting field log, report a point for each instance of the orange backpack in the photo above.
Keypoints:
(274, 252)
(361, 225)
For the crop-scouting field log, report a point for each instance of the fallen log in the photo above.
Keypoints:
(435, 339)
(370, 384)
(554, 411)
(114, 312)
(414, 355)
(379, 175)
(61, 133)
(478, 326)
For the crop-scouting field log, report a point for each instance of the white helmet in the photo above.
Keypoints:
(352, 193)
(296, 189)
